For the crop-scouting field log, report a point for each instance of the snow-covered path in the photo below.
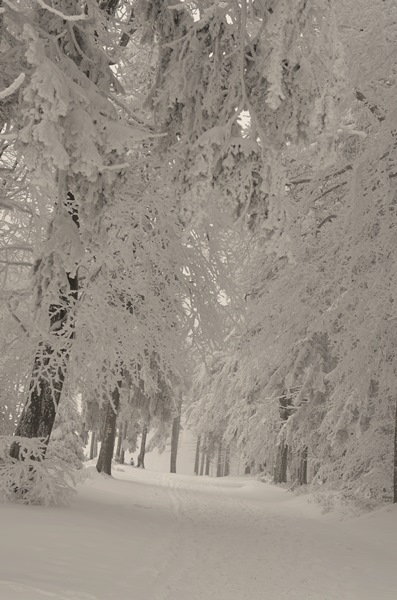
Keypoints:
(151, 536)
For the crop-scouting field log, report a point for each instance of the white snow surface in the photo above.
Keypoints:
(145, 535)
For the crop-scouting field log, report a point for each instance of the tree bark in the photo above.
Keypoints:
(219, 464)
(141, 456)
(176, 426)
(104, 464)
(197, 456)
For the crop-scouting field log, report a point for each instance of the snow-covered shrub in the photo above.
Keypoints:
(33, 478)
(65, 443)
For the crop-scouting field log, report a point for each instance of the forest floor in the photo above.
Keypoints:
(150, 536)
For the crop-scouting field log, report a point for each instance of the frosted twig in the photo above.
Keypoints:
(17, 319)
(16, 263)
(13, 87)
(11, 5)
(128, 110)
(58, 13)
(8, 136)
(115, 167)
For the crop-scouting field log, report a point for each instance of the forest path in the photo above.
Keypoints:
(151, 536)
(244, 540)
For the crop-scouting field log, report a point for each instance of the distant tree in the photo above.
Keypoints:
(142, 451)
(93, 446)
(175, 431)
(197, 456)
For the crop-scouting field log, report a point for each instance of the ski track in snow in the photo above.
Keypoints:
(153, 536)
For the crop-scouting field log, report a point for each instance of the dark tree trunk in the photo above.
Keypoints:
(49, 369)
(176, 426)
(207, 463)
(104, 464)
(93, 446)
(219, 464)
(395, 460)
(141, 456)
(280, 470)
(227, 462)
(302, 470)
(197, 456)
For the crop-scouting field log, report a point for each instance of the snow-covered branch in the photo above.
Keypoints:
(60, 14)
(13, 87)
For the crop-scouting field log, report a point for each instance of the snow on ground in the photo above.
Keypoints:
(153, 536)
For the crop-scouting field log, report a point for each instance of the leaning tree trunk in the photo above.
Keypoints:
(197, 456)
(141, 455)
(176, 427)
(104, 464)
(50, 364)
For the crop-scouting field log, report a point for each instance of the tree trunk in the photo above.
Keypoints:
(176, 426)
(280, 470)
(84, 435)
(219, 465)
(38, 416)
(207, 463)
(122, 451)
(227, 462)
(202, 460)
(302, 470)
(119, 442)
(104, 464)
(197, 457)
(93, 445)
(141, 456)
(395, 461)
